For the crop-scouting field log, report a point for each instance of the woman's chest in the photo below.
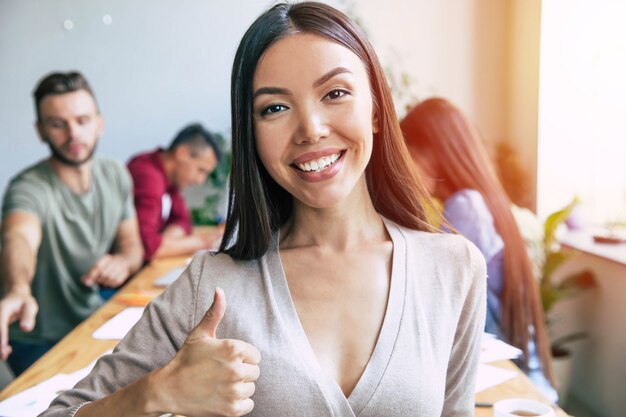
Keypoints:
(341, 305)
(404, 377)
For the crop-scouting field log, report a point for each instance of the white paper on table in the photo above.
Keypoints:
(169, 277)
(118, 326)
(489, 376)
(37, 398)
(493, 349)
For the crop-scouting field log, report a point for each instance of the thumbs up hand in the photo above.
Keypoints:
(210, 376)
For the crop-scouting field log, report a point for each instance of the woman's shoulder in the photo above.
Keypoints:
(454, 251)
(219, 266)
(239, 279)
(437, 244)
(442, 244)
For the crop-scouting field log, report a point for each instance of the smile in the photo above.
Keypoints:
(319, 164)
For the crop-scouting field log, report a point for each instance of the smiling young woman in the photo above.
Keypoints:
(343, 300)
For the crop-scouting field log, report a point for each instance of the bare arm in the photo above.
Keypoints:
(128, 244)
(112, 270)
(21, 238)
(175, 242)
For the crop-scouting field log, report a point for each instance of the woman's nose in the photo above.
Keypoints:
(312, 127)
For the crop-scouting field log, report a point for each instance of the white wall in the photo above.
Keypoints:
(161, 64)
(158, 66)
(450, 48)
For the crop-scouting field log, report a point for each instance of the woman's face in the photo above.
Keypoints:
(313, 118)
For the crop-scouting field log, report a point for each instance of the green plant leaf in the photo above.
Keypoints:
(555, 220)
(548, 298)
(569, 286)
(573, 284)
(552, 262)
(219, 176)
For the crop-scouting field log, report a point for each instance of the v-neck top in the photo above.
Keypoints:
(424, 361)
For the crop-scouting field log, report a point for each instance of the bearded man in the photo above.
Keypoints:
(68, 226)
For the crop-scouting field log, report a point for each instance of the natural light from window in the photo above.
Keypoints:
(582, 109)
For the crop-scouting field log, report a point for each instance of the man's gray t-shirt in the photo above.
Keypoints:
(77, 229)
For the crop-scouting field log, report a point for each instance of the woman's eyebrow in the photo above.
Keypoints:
(330, 74)
(283, 91)
(271, 90)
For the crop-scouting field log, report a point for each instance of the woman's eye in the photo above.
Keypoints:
(335, 94)
(274, 108)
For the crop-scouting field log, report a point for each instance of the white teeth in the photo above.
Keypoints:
(319, 164)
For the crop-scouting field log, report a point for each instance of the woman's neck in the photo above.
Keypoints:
(349, 223)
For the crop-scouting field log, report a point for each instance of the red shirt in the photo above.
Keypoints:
(158, 203)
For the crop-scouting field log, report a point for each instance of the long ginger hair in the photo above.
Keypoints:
(439, 129)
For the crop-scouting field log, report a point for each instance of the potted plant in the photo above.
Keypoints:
(211, 212)
(552, 291)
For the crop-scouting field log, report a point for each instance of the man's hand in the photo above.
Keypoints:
(209, 376)
(16, 305)
(21, 237)
(108, 271)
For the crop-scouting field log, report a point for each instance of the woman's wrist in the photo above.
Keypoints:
(152, 393)
(141, 398)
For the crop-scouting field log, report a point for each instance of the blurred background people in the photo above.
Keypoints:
(451, 157)
(159, 177)
(68, 226)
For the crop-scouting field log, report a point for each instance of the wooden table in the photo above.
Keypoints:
(78, 349)
(519, 387)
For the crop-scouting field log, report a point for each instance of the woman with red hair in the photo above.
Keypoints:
(450, 156)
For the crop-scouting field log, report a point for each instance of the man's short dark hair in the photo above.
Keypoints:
(57, 83)
(197, 138)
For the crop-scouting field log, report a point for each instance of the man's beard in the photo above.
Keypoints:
(58, 155)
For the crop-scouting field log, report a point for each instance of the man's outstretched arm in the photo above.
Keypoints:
(21, 238)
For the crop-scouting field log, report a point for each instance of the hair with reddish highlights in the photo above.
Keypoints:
(257, 204)
(439, 128)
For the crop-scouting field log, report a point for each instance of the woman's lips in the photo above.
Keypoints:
(318, 164)
(309, 156)
(321, 174)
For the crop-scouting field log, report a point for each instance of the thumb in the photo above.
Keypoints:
(214, 314)
(29, 314)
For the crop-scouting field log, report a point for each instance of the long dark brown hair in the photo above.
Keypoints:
(257, 204)
(439, 128)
